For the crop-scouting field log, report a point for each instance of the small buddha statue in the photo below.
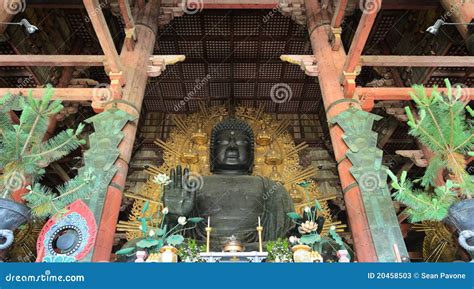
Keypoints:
(231, 197)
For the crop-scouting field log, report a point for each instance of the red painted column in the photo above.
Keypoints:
(135, 63)
(330, 65)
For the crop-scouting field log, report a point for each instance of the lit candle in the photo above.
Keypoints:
(209, 221)
(259, 221)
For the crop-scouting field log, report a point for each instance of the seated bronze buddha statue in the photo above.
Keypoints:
(231, 197)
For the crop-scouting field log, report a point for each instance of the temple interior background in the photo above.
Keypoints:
(233, 60)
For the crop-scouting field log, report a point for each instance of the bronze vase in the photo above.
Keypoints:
(12, 215)
(460, 216)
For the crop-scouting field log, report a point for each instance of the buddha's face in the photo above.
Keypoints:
(232, 152)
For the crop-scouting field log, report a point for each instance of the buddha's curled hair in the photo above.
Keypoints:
(235, 124)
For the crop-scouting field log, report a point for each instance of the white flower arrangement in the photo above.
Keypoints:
(182, 221)
(162, 179)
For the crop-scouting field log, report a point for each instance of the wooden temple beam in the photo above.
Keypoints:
(336, 22)
(130, 35)
(402, 93)
(52, 60)
(65, 94)
(330, 64)
(135, 62)
(366, 23)
(338, 16)
(368, 95)
(158, 61)
(459, 11)
(250, 4)
(236, 4)
(416, 61)
(96, 17)
(270, 4)
(410, 4)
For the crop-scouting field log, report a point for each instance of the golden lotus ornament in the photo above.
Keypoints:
(273, 158)
(190, 156)
(199, 137)
(263, 138)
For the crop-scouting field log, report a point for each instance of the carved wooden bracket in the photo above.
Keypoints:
(294, 9)
(416, 156)
(348, 81)
(366, 101)
(130, 38)
(158, 63)
(307, 63)
(117, 81)
(170, 9)
(335, 38)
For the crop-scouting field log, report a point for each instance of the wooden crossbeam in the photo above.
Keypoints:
(417, 61)
(351, 69)
(52, 60)
(401, 93)
(65, 94)
(76, 60)
(96, 17)
(368, 95)
(238, 4)
(338, 16)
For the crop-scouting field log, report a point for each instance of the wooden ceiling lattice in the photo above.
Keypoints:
(232, 56)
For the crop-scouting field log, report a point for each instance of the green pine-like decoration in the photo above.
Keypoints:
(442, 126)
(94, 176)
(22, 150)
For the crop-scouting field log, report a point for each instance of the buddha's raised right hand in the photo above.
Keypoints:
(179, 197)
